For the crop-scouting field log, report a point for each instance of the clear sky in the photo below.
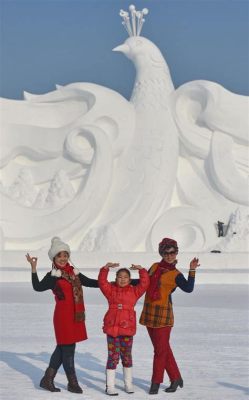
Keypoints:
(48, 42)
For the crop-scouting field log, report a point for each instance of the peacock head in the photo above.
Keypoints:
(142, 52)
(138, 49)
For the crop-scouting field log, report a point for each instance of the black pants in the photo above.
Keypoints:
(63, 354)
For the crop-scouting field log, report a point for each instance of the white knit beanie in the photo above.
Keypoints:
(57, 245)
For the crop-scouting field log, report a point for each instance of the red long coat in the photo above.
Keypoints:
(67, 331)
(120, 319)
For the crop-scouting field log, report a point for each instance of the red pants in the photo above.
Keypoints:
(163, 356)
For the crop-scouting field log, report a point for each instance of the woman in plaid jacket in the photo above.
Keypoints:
(157, 314)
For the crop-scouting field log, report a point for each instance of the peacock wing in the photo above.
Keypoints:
(61, 143)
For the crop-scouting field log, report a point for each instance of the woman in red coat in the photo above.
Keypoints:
(120, 321)
(69, 315)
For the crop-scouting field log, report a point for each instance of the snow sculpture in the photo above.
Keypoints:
(109, 174)
(236, 238)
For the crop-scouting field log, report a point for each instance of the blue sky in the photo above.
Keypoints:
(48, 42)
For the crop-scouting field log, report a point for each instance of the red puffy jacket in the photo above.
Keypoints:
(120, 319)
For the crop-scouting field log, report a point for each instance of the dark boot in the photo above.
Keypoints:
(154, 388)
(174, 385)
(47, 382)
(73, 385)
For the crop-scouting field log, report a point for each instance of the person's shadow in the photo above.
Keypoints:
(88, 362)
(236, 387)
(24, 363)
(85, 363)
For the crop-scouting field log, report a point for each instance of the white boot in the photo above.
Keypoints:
(110, 382)
(128, 379)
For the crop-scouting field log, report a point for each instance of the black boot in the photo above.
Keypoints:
(47, 382)
(154, 388)
(73, 385)
(174, 385)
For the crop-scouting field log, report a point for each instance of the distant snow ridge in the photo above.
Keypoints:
(118, 175)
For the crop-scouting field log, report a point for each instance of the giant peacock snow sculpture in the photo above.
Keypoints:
(129, 182)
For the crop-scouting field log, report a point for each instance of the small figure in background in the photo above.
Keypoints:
(220, 228)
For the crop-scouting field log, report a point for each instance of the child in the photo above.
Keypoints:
(69, 315)
(120, 321)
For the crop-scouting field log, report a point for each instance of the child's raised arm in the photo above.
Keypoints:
(111, 265)
(136, 267)
(144, 279)
(104, 285)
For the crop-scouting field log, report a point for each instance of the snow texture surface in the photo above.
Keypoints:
(209, 340)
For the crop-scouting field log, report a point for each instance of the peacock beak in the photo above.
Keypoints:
(123, 48)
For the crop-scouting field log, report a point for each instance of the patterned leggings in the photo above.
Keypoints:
(119, 346)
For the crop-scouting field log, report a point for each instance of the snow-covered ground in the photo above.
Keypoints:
(210, 342)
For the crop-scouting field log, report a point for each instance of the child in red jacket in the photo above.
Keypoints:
(120, 320)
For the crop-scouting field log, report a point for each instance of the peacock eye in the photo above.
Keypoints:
(138, 43)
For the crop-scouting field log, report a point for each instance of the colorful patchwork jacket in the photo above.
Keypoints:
(159, 313)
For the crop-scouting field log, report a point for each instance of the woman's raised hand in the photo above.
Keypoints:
(134, 266)
(194, 263)
(32, 261)
(111, 265)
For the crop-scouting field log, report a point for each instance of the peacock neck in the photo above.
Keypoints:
(152, 84)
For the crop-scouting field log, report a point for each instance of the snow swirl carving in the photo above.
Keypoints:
(108, 174)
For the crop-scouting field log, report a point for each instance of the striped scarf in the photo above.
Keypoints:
(67, 273)
(154, 288)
